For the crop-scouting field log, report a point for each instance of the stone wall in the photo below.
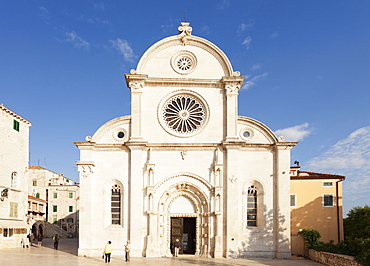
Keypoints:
(332, 259)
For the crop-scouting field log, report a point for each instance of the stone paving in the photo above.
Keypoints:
(67, 255)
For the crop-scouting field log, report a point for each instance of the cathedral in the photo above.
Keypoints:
(184, 165)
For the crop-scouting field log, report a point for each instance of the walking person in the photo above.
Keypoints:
(56, 241)
(107, 252)
(39, 240)
(177, 247)
(127, 250)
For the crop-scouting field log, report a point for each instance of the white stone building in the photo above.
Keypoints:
(61, 195)
(14, 150)
(184, 164)
(63, 201)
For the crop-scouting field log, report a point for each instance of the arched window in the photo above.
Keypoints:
(14, 180)
(252, 206)
(116, 204)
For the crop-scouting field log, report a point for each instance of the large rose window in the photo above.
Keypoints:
(184, 114)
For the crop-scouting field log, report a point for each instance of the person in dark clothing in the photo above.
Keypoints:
(56, 241)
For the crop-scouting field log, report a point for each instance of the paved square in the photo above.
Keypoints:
(67, 255)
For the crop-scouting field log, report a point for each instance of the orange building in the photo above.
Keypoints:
(316, 203)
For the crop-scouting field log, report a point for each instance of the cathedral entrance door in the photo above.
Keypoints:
(184, 229)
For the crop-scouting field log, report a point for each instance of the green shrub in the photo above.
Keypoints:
(312, 236)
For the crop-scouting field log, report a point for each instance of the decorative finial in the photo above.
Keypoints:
(185, 29)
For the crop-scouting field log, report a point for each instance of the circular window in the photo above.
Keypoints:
(183, 62)
(246, 133)
(120, 134)
(184, 114)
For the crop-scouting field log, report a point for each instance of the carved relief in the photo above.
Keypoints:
(136, 86)
(183, 154)
(233, 178)
(232, 89)
(85, 170)
(184, 31)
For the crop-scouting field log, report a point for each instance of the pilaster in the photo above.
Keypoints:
(136, 84)
(232, 86)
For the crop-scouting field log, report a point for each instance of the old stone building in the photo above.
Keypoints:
(60, 195)
(14, 144)
(184, 165)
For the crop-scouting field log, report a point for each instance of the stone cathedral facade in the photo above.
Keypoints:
(184, 165)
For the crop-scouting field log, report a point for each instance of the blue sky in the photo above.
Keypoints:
(306, 63)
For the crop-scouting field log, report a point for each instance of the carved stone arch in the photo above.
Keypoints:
(201, 203)
(192, 176)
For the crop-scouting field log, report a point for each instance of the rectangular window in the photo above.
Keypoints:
(55, 208)
(16, 125)
(55, 220)
(116, 207)
(293, 200)
(13, 210)
(327, 184)
(70, 195)
(69, 220)
(70, 208)
(328, 200)
(5, 232)
(55, 195)
(34, 183)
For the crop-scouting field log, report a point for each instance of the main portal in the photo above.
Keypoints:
(184, 229)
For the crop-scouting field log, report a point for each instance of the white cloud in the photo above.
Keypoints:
(99, 5)
(274, 35)
(124, 48)
(247, 41)
(245, 26)
(224, 4)
(349, 157)
(77, 41)
(256, 67)
(350, 153)
(251, 82)
(44, 13)
(91, 20)
(205, 29)
(296, 133)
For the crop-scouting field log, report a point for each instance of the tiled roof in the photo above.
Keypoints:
(313, 175)
(36, 198)
(7, 110)
(36, 167)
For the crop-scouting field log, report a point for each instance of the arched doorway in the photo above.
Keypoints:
(184, 215)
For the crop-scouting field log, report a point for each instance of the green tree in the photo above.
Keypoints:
(357, 223)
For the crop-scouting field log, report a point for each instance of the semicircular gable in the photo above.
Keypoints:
(123, 121)
(263, 131)
(162, 51)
